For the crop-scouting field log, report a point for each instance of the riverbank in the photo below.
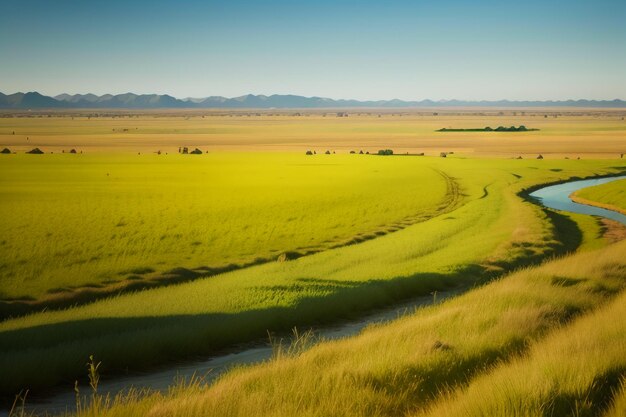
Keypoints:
(558, 197)
(611, 196)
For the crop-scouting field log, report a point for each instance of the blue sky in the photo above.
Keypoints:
(526, 49)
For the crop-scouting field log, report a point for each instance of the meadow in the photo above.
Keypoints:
(541, 342)
(220, 248)
(97, 221)
(611, 196)
(491, 231)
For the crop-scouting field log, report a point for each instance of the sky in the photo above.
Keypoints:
(366, 50)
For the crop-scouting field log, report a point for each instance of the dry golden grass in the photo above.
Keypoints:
(509, 348)
(572, 133)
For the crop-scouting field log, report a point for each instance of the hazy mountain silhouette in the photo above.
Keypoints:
(34, 100)
(28, 101)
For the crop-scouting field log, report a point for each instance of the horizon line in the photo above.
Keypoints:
(186, 98)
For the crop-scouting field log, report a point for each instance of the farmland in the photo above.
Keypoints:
(255, 236)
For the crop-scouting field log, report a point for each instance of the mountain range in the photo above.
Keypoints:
(35, 100)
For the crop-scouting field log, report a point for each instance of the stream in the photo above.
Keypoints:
(557, 197)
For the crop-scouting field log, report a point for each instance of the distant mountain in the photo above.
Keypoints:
(28, 101)
(91, 98)
(34, 100)
(123, 101)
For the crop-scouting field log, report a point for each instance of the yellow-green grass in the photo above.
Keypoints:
(577, 371)
(493, 230)
(76, 220)
(509, 348)
(590, 134)
(611, 195)
(618, 409)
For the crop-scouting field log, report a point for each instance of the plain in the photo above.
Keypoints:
(219, 248)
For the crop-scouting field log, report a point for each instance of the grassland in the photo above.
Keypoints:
(542, 341)
(490, 231)
(611, 196)
(109, 220)
(217, 224)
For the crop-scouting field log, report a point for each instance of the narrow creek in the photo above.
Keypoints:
(557, 197)
(554, 196)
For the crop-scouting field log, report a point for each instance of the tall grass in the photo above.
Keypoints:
(618, 409)
(577, 371)
(536, 342)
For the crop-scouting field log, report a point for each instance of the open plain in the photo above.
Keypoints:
(142, 256)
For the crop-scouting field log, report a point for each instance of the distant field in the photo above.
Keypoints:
(564, 132)
(611, 196)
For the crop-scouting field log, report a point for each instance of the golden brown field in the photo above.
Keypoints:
(597, 133)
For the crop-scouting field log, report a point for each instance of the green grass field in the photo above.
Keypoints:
(143, 260)
(611, 196)
(542, 341)
(489, 231)
(97, 220)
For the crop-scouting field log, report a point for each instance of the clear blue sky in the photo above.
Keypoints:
(525, 49)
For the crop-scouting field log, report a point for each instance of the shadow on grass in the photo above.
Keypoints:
(54, 354)
(142, 342)
(594, 401)
(566, 232)
(58, 298)
(139, 343)
(567, 237)
(64, 297)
